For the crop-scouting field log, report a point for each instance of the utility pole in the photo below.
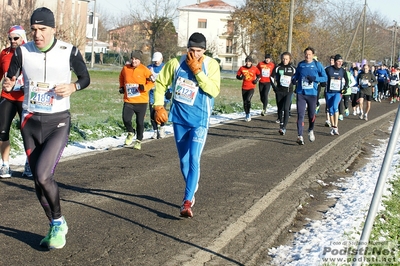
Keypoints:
(394, 43)
(291, 12)
(364, 28)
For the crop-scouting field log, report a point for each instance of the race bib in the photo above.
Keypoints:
(306, 85)
(185, 91)
(354, 90)
(19, 84)
(364, 83)
(285, 80)
(266, 72)
(335, 84)
(132, 90)
(41, 97)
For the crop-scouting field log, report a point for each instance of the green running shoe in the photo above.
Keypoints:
(55, 238)
(138, 145)
(129, 138)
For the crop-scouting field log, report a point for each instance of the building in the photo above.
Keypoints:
(213, 19)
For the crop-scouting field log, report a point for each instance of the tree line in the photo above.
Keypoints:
(329, 26)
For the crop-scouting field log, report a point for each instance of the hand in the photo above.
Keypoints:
(344, 90)
(254, 81)
(64, 90)
(310, 79)
(239, 77)
(141, 87)
(194, 64)
(8, 84)
(160, 114)
(121, 90)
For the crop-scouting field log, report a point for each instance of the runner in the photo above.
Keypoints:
(366, 81)
(195, 80)
(308, 74)
(282, 75)
(46, 65)
(265, 67)
(11, 102)
(250, 76)
(334, 88)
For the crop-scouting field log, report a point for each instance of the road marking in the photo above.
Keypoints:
(234, 229)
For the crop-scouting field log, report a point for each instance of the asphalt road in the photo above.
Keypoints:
(122, 205)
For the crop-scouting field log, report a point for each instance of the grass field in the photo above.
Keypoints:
(97, 110)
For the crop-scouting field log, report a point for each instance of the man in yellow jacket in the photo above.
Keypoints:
(135, 82)
(195, 80)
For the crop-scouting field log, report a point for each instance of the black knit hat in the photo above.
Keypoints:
(197, 40)
(338, 57)
(267, 56)
(137, 54)
(43, 16)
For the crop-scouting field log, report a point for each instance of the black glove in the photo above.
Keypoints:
(121, 90)
(310, 79)
(254, 81)
(344, 90)
(239, 77)
(168, 94)
(141, 87)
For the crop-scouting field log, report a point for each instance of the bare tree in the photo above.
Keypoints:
(15, 14)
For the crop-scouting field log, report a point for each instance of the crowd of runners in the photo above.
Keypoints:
(347, 88)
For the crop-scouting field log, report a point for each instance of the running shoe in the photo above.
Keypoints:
(55, 238)
(328, 123)
(5, 171)
(162, 132)
(129, 138)
(300, 140)
(263, 113)
(248, 118)
(138, 145)
(361, 115)
(354, 113)
(346, 112)
(278, 121)
(317, 110)
(311, 136)
(332, 131)
(27, 170)
(366, 117)
(282, 131)
(155, 134)
(340, 117)
(336, 131)
(186, 209)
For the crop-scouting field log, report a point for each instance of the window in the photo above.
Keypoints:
(228, 60)
(230, 27)
(202, 23)
(229, 47)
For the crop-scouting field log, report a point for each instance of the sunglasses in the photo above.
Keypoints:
(13, 38)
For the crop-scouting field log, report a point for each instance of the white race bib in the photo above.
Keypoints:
(306, 85)
(41, 97)
(185, 91)
(266, 72)
(132, 90)
(285, 80)
(335, 84)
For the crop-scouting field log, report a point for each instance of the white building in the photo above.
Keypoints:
(213, 19)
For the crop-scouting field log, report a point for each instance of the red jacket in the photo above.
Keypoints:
(5, 59)
(249, 74)
(266, 71)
